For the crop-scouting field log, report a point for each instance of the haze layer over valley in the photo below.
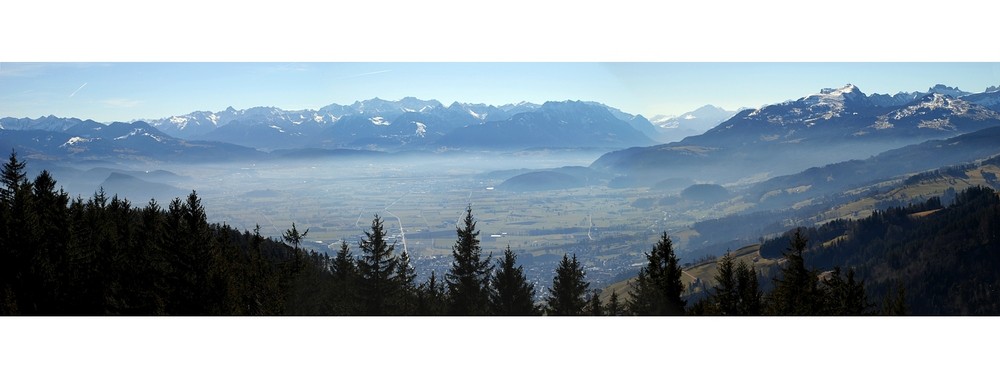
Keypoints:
(562, 177)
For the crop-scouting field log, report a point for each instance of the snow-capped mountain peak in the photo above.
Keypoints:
(847, 88)
(703, 118)
(829, 103)
(933, 102)
(477, 115)
(74, 140)
(945, 90)
(848, 92)
(660, 119)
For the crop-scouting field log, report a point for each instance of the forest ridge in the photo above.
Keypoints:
(102, 256)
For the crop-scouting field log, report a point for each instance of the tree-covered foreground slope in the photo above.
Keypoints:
(946, 258)
(927, 258)
(105, 256)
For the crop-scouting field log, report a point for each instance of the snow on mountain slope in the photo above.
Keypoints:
(703, 118)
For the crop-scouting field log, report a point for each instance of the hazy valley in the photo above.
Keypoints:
(564, 177)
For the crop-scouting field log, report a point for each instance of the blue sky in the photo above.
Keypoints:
(127, 91)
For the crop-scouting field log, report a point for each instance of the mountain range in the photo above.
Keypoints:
(698, 121)
(376, 124)
(362, 124)
(833, 125)
(118, 141)
(787, 190)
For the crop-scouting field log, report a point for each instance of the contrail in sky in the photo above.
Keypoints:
(366, 74)
(78, 90)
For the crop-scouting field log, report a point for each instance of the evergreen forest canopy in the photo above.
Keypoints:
(106, 256)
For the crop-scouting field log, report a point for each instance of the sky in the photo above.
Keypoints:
(309, 56)
(125, 91)
(441, 31)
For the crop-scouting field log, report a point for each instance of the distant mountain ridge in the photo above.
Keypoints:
(698, 121)
(831, 117)
(554, 124)
(369, 124)
(833, 125)
(847, 112)
(48, 123)
(840, 176)
(378, 125)
(137, 141)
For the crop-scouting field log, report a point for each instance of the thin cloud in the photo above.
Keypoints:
(366, 74)
(290, 67)
(27, 70)
(120, 103)
(22, 69)
(77, 90)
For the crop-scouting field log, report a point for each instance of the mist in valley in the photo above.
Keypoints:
(421, 197)
(540, 202)
(548, 180)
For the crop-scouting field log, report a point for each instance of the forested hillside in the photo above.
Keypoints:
(105, 256)
(945, 258)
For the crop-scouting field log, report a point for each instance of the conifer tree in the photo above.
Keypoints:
(222, 279)
(180, 273)
(847, 297)
(78, 293)
(27, 235)
(22, 235)
(468, 278)
(567, 295)
(149, 263)
(198, 250)
(345, 279)
(797, 292)
(117, 257)
(511, 294)
(8, 301)
(293, 237)
(431, 297)
(406, 298)
(594, 306)
(96, 271)
(50, 208)
(750, 295)
(658, 287)
(11, 177)
(264, 297)
(8, 298)
(614, 307)
(725, 296)
(894, 304)
(377, 269)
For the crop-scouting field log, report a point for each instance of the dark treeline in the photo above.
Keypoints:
(796, 291)
(105, 257)
(941, 260)
(101, 256)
